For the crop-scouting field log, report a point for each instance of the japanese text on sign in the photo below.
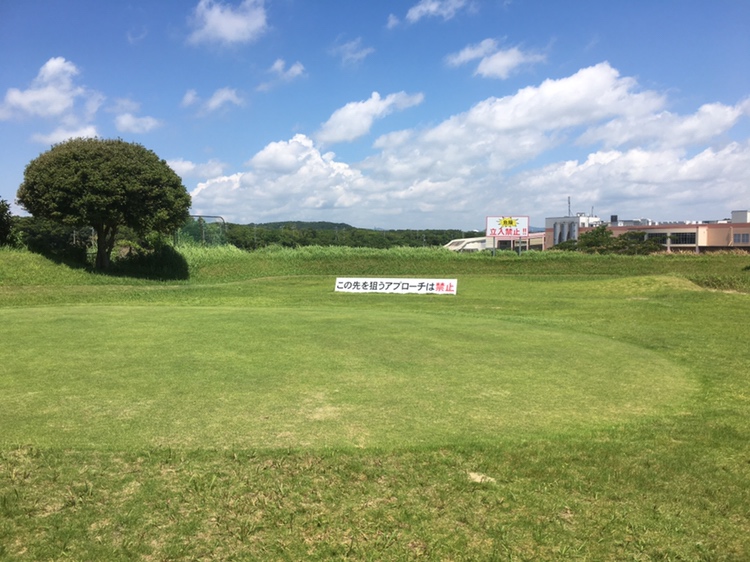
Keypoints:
(401, 286)
(507, 227)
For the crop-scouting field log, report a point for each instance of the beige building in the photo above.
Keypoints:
(675, 236)
(533, 241)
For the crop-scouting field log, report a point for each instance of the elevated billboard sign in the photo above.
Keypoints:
(507, 228)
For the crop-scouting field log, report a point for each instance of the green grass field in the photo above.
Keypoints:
(560, 407)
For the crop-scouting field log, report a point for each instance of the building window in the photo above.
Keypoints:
(683, 238)
(660, 237)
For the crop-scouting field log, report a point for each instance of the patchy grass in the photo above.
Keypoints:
(544, 413)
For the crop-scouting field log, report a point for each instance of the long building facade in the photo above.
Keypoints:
(674, 236)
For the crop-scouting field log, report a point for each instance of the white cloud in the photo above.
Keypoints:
(445, 9)
(588, 96)
(665, 129)
(502, 63)
(352, 52)
(92, 102)
(223, 97)
(55, 96)
(126, 120)
(658, 184)
(393, 21)
(279, 68)
(220, 99)
(282, 73)
(217, 22)
(190, 98)
(188, 169)
(499, 157)
(286, 178)
(125, 105)
(129, 123)
(472, 52)
(52, 93)
(356, 118)
(62, 134)
(283, 157)
(494, 62)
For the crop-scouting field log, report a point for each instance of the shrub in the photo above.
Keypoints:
(53, 240)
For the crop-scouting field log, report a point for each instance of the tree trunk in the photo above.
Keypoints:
(105, 242)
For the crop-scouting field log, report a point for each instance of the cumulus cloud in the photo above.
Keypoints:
(502, 63)
(52, 93)
(188, 169)
(665, 129)
(445, 9)
(282, 74)
(351, 53)
(286, 178)
(129, 123)
(62, 134)
(55, 96)
(590, 95)
(500, 156)
(493, 61)
(283, 157)
(356, 118)
(127, 120)
(641, 183)
(218, 22)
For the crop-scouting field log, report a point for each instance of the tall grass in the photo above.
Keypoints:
(725, 270)
(211, 264)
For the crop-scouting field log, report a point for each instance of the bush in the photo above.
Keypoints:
(151, 258)
(600, 240)
(52, 240)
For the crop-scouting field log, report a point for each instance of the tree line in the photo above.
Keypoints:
(296, 234)
(601, 240)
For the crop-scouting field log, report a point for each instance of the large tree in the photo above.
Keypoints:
(105, 184)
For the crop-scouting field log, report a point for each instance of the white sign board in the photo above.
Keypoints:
(507, 227)
(400, 286)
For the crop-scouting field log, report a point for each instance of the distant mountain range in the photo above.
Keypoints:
(303, 225)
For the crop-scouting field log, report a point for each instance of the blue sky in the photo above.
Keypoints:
(396, 114)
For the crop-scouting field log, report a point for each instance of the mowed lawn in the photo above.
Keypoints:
(556, 408)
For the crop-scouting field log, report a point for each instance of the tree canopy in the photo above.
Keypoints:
(105, 184)
(601, 240)
(5, 222)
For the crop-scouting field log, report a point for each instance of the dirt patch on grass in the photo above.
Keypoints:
(480, 478)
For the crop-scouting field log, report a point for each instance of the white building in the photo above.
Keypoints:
(567, 228)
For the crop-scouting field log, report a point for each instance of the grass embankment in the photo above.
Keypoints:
(559, 407)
